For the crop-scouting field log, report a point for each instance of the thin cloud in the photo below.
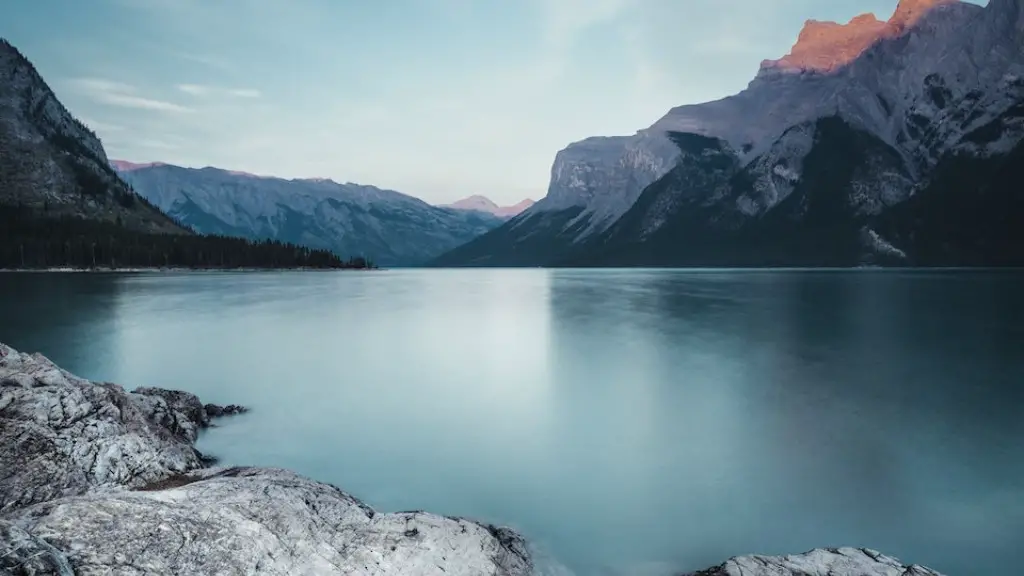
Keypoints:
(194, 89)
(205, 60)
(123, 95)
(203, 91)
(245, 93)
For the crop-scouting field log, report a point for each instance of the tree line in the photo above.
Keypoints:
(32, 241)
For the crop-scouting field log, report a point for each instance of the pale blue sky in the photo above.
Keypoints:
(435, 98)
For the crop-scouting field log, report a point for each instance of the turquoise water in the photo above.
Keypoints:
(627, 422)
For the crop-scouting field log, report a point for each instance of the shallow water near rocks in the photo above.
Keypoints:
(625, 421)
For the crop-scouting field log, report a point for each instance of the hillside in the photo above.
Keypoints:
(62, 205)
(842, 153)
(388, 227)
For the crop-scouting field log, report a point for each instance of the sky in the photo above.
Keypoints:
(439, 99)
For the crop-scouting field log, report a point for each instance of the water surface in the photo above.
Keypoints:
(627, 422)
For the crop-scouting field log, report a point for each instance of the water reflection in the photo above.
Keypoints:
(70, 320)
(626, 421)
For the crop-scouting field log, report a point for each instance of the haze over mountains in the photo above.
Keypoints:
(388, 227)
(894, 142)
(485, 204)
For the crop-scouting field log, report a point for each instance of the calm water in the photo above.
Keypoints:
(628, 422)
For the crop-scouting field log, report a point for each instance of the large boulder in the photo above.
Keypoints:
(820, 562)
(97, 480)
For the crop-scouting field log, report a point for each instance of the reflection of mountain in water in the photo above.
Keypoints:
(840, 402)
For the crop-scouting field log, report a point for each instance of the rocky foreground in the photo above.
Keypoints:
(97, 480)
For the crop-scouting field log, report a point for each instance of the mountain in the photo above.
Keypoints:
(871, 142)
(51, 162)
(388, 227)
(485, 204)
(62, 205)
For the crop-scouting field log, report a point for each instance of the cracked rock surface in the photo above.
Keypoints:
(820, 562)
(263, 521)
(97, 480)
(61, 435)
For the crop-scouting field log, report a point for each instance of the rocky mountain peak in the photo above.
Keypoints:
(908, 12)
(825, 46)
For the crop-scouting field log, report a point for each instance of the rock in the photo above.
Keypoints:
(61, 435)
(22, 553)
(215, 411)
(820, 562)
(180, 412)
(267, 521)
(96, 480)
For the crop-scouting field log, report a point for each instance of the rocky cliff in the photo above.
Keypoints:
(52, 163)
(885, 103)
(389, 228)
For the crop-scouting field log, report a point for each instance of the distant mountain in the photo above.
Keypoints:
(62, 205)
(893, 142)
(50, 162)
(390, 228)
(485, 204)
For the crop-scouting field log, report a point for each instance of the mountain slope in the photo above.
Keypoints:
(387, 227)
(899, 96)
(61, 204)
(50, 162)
(485, 204)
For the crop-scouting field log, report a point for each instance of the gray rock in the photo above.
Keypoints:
(263, 521)
(22, 554)
(820, 562)
(61, 435)
(102, 481)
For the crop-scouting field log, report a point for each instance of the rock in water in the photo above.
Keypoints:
(821, 562)
(61, 435)
(97, 480)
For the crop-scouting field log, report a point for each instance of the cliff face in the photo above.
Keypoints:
(915, 90)
(52, 163)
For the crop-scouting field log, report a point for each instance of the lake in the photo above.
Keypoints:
(625, 421)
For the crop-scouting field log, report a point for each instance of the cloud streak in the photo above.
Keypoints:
(200, 90)
(123, 95)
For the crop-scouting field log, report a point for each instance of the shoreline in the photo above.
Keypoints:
(111, 482)
(173, 269)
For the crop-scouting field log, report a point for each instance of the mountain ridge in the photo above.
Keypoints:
(937, 71)
(53, 163)
(386, 226)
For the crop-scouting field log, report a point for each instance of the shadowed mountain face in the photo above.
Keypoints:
(390, 228)
(51, 163)
(843, 152)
